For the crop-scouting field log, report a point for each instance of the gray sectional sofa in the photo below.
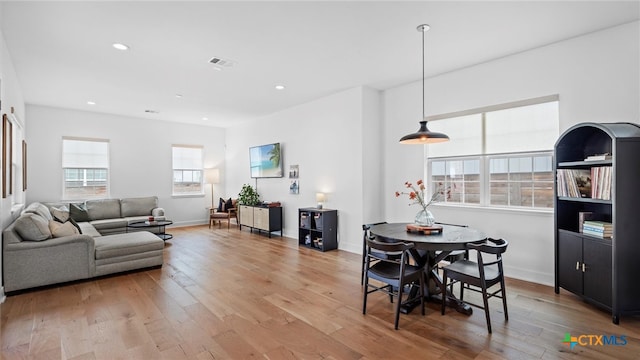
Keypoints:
(55, 243)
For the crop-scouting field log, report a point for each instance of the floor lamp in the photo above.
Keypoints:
(212, 176)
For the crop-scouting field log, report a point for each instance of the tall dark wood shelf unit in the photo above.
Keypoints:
(318, 228)
(602, 271)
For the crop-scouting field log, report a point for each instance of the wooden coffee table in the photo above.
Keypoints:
(160, 224)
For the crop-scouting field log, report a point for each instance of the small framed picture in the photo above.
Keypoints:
(293, 171)
(294, 187)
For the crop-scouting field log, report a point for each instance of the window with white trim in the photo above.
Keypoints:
(497, 156)
(187, 170)
(85, 168)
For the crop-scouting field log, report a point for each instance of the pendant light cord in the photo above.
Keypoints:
(423, 113)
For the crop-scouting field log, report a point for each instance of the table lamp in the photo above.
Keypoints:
(320, 198)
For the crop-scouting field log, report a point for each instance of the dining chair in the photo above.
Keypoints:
(479, 276)
(388, 263)
(455, 255)
(365, 235)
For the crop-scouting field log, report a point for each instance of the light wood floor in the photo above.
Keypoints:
(225, 294)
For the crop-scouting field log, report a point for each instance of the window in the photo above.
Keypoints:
(85, 168)
(187, 170)
(15, 181)
(497, 156)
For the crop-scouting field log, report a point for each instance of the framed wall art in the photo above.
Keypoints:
(293, 171)
(24, 165)
(6, 143)
(294, 187)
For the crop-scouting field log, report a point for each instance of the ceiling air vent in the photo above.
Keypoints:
(221, 63)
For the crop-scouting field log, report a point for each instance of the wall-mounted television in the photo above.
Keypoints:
(266, 161)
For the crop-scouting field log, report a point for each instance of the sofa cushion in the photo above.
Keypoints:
(40, 209)
(62, 229)
(106, 224)
(60, 214)
(116, 245)
(32, 227)
(78, 212)
(103, 209)
(88, 229)
(138, 206)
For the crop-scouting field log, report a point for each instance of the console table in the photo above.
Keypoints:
(267, 219)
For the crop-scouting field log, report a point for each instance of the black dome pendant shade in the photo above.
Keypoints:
(423, 136)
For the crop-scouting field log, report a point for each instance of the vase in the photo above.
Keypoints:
(424, 218)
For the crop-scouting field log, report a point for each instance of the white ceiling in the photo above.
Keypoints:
(63, 56)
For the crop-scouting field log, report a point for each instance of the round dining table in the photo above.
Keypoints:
(430, 250)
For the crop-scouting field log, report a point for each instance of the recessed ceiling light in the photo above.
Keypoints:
(179, 96)
(205, 118)
(151, 111)
(120, 46)
(91, 102)
(280, 87)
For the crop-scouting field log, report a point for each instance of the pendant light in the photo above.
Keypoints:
(423, 135)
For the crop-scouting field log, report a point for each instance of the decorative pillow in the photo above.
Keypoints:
(228, 204)
(60, 230)
(60, 214)
(74, 223)
(78, 212)
(32, 227)
(221, 205)
(40, 209)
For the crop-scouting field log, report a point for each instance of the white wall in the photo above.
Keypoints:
(324, 137)
(140, 156)
(372, 157)
(597, 77)
(11, 96)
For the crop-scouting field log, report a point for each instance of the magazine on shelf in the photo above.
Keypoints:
(598, 157)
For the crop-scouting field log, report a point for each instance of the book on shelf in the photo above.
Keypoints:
(598, 230)
(599, 226)
(601, 182)
(598, 157)
(592, 183)
(574, 182)
(602, 229)
(582, 216)
(598, 223)
(597, 234)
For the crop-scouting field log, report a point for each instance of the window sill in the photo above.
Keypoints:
(498, 209)
(180, 196)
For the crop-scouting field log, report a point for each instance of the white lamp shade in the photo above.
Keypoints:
(320, 197)
(212, 176)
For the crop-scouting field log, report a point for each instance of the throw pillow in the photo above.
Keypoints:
(228, 204)
(40, 209)
(32, 227)
(78, 212)
(74, 223)
(60, 214)
(221, 205)
(60, 230)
